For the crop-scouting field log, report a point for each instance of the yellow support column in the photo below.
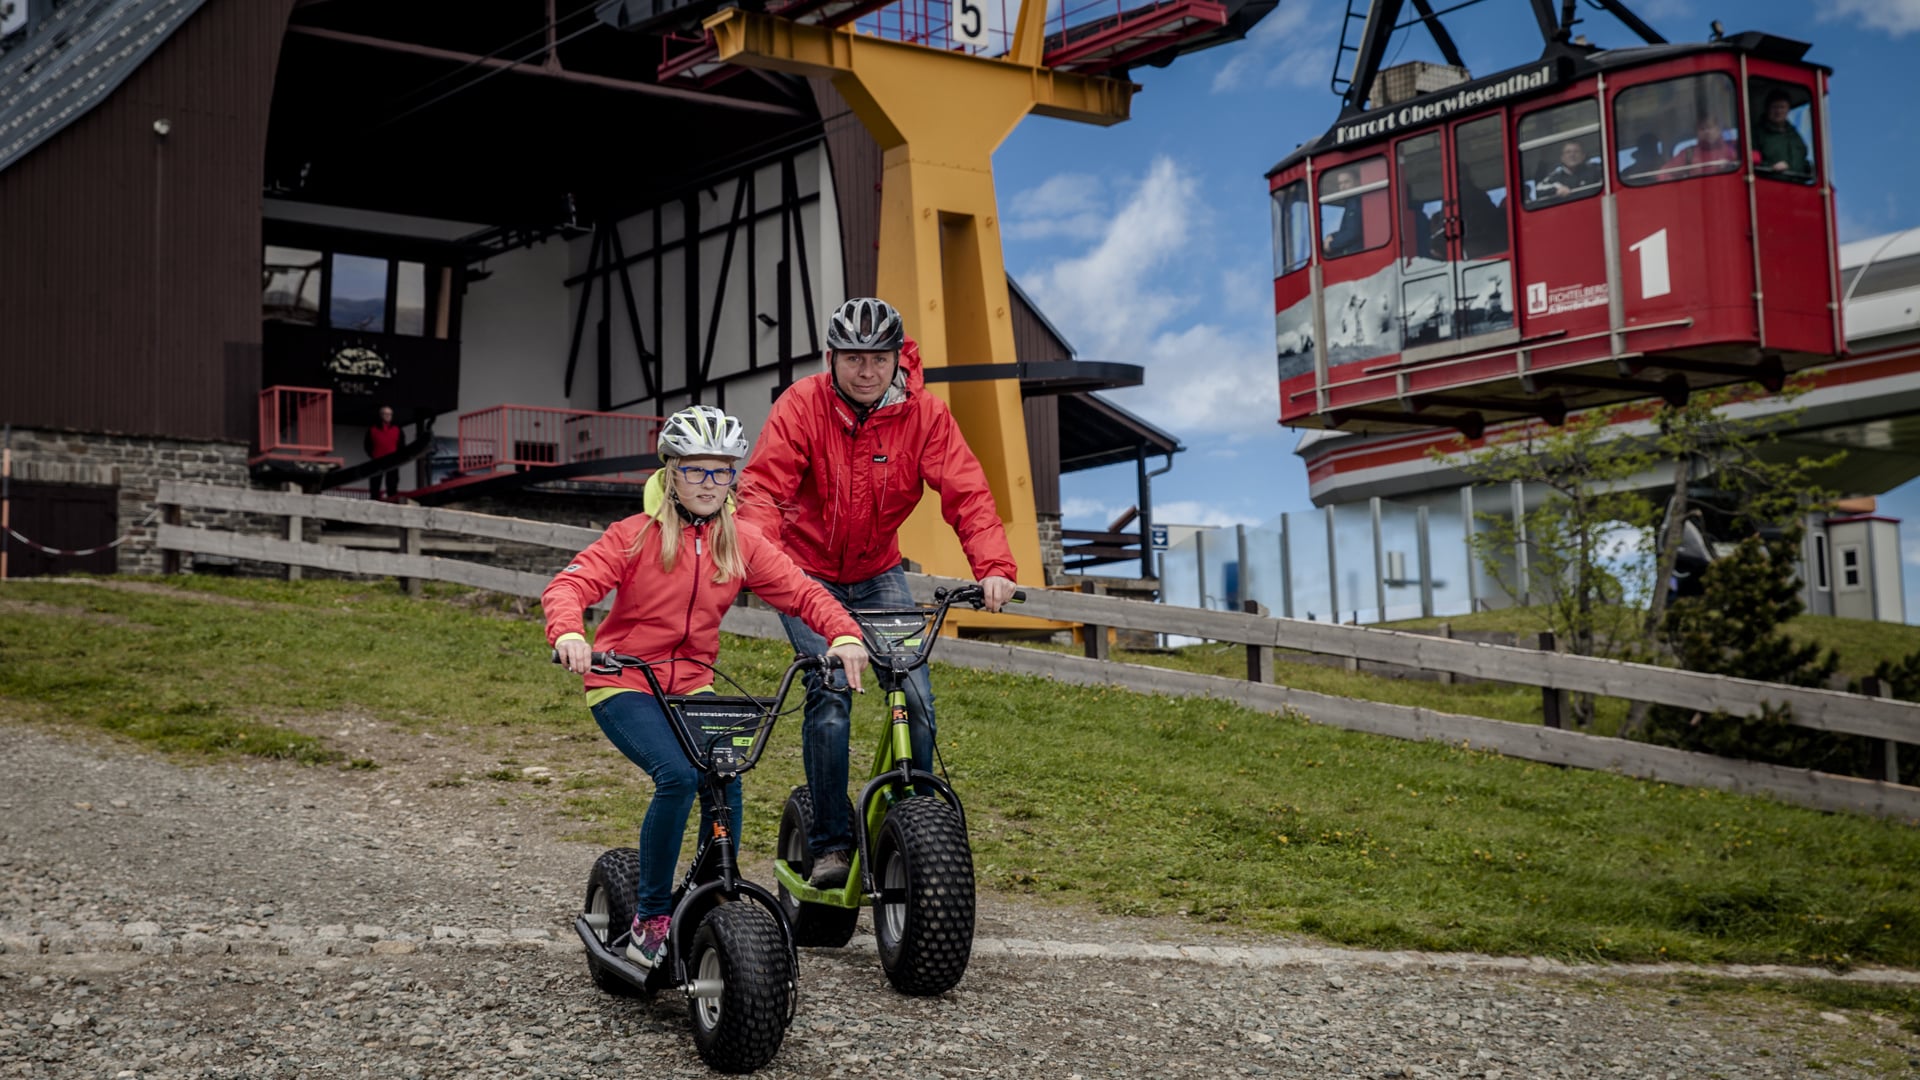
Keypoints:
(938, 116)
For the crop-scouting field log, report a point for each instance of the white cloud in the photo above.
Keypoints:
(1070, 205)
(1193, 512)
(1910, 551)
(1128, 299)
(1287, 48)
(1079, 512)
(1897, 17)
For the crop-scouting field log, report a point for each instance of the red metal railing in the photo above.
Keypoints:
(1091, 37)
(296, 424)
(533, 437)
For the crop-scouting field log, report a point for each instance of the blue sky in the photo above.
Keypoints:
(1149, 243)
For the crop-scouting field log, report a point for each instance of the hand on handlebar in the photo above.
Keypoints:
(998, 591)
(575, 655)
(853, 661)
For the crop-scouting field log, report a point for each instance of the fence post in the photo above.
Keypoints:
(169, 557)
(411, 545)
(296, 531)
(1379, 564)
(1446, 631)
(1092, 635)
(1259, 657)
(1888, 754)
(1553, 703)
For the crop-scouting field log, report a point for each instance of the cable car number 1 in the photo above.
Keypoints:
(1654, 278)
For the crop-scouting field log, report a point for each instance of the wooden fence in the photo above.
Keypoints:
(1827, 710)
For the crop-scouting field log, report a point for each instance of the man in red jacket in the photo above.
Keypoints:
(383, 438)
(840, 465)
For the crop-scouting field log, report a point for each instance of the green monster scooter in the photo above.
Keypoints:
(911, 859)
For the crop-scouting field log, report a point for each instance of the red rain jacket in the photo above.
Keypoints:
(659, 615)
(836, 489)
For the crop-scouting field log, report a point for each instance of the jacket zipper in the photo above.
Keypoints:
(686, 629)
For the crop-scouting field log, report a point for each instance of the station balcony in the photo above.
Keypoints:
(523, 438)
(295, 427)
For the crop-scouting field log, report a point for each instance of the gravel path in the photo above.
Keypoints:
(160, 920)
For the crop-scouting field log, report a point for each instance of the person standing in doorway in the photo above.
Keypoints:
(383, 438)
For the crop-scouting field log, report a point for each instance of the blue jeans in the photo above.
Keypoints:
(824, 731)
(637, 726)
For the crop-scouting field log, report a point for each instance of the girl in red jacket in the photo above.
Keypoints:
(677, 568)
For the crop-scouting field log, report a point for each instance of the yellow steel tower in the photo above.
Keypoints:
(939, 116)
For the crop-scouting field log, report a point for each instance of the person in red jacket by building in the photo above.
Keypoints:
(677, 568)
(383, 438)
(841, 464)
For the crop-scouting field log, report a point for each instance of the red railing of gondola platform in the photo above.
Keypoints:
(522, 437)
(296, 424)
(1091, 37)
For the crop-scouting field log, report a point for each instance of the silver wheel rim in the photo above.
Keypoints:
(597, 905)
(707, 1009)
(893, 880)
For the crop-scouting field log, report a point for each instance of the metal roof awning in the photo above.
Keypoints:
(1043, 377)
(1095, 432)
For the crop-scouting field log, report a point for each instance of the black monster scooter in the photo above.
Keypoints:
(734, 961)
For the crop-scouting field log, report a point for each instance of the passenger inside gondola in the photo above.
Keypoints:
(1347, 235)
(1710, 152)
(1575, 173)
(1779, 149)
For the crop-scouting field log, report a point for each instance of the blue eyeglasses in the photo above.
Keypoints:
(694, 474)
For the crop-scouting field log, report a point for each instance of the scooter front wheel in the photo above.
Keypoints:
(923, 914)
(741, 996)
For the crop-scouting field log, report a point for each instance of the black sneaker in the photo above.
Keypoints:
(830, 871)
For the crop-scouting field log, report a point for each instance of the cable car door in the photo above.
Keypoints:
(1456, 263)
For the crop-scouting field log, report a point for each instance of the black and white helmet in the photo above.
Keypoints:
(702, 431)
(865, 324)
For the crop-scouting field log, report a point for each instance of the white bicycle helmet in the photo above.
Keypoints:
(702, 431)
(866, 324)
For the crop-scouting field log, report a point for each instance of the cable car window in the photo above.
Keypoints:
(1480, 178)
(1782, 130)
(1560, 154)
(1292, 228)
(410, 299)
(359, 297)
(1677, 130)
(1353, 207)
(290, 283)
(1423, 235)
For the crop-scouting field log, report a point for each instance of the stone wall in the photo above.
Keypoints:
(135, 466)
(1052, 554)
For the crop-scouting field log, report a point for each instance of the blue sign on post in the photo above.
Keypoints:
(1159, 538)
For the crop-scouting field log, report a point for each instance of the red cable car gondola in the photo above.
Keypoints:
(1596, 226)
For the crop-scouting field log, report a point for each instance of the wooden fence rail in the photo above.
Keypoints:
(1873, 717)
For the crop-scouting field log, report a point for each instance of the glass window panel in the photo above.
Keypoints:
(1353, 207)
(1560, 154)
(359, 299)
(1676, 130)
(1292, 228)
(1480, 183)
(1423, 232)
(291, 285)
(410, 299)
(1782, 130)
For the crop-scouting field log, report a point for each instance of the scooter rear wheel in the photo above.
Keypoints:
(819, 925)
(610, 889)
(742, 995)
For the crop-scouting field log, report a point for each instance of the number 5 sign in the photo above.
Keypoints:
(970, 22)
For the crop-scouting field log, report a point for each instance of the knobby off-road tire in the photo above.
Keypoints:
(610, 889)
(923, 916)
(818, 925)
(739, 945)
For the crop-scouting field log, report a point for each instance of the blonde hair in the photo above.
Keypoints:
(728, 560)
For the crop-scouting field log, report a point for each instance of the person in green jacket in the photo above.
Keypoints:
(1782, 151)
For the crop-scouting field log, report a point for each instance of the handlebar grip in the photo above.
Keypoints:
(1019, 596)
